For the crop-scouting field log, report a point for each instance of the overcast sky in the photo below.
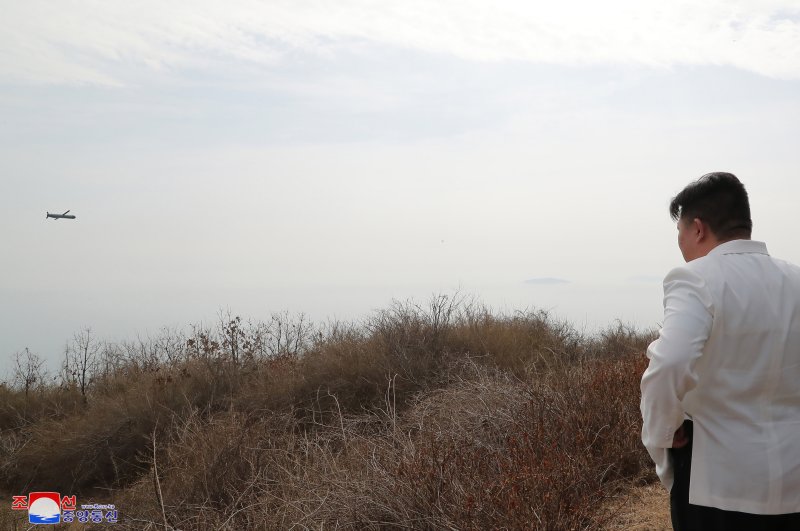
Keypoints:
(327, 157)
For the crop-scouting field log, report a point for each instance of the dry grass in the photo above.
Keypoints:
(644, 508)
(445, 416)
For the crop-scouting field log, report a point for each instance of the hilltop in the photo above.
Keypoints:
(438, 416)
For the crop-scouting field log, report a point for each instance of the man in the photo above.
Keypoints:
(721, 395)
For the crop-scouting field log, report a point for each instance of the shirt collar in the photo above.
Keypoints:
(740, 247)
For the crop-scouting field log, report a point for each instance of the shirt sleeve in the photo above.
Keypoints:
(688, 316)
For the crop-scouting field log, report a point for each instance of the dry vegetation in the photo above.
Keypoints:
(443, 416)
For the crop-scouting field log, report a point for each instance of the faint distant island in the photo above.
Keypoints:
(546, 280)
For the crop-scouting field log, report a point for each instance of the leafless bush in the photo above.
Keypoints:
(80, 361)
(29, 371)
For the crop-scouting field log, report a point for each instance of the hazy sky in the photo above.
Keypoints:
(327, 157)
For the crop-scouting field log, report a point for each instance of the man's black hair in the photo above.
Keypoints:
(720, 200)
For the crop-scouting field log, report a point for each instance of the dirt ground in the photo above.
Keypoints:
(643, 508)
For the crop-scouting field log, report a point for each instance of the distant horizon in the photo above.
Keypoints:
(363, 302)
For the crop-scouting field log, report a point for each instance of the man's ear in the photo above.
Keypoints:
(699, 229)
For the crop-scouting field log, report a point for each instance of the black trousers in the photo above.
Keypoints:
(688, 517)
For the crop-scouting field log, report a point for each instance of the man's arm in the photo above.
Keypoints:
(688, 316)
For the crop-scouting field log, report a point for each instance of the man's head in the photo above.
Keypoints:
(711, 210)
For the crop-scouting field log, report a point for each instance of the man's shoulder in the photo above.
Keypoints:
(694, 274)
(786, 265)
(714, 268)
(699, 268)
(704, 265)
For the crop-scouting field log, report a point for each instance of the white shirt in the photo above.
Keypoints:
(728, 357)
